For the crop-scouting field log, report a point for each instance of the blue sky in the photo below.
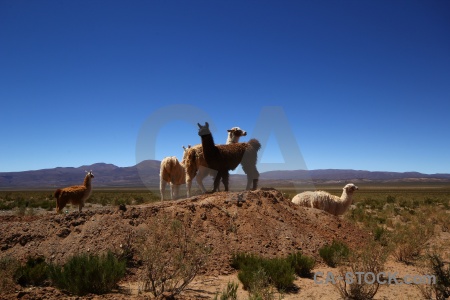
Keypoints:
(359, 84)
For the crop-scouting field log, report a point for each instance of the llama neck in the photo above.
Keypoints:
(232, 139)
(207, 141)
(87, 181)
(210, 152)
(346, 200)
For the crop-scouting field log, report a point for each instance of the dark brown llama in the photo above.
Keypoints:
(223, 158)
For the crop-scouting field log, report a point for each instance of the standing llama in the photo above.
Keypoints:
(173, 172)
(76, 195)
(327, 202)
(223, 158)
(195, 164)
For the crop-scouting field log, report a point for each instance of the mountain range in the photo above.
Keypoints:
(146, 173)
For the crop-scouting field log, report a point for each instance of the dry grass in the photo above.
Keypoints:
(171, 257)
(368, 261)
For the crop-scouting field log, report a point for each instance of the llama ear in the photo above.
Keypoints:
(199, 126)
(229, 130)
(206, 124)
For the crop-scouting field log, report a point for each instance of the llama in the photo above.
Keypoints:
(195, 163)
(324, 201)
(75, 195)
(234, 134)
(173, 172)
(223, 158)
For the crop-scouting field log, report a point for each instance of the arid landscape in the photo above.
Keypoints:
(262, 222)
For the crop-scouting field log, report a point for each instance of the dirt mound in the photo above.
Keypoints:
(263, 222)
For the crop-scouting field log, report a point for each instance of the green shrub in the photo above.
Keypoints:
(247, 275)
(87, 273)
(302, 264)
(334, 254)
(278, 271)
(379, 234)
(260, 288)
(390, 199)
(35, 272)
(241, 259)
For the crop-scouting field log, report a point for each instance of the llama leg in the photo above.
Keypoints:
(177, 190)
(172, 192)
(202, 173)
(61, 204)
(255, 184)
(252, 176)
(249, 181)
(225, 180)
(162, 188)
(217, 181)
(188, 186)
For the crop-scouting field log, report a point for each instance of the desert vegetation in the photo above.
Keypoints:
(31, 202)
(171, 256)
(403, 222)
(79, 275)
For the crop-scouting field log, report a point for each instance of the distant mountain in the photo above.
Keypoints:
(106, 175)
(337, 174)
(146, 173)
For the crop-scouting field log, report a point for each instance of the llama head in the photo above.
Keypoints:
(350, 188)
(236, 133)
(203, 130)
(89, 174)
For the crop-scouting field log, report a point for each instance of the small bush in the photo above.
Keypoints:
(302, 264)
(171, 257)
(409, 241)
(390, 199)
(8, 267)
(334, 254)
(368, 261)
(229, 293)
(84, 274)
(441, 288)
(35, 272)
(241, 259)
(260, 288)
(279, 271)
(380, 234)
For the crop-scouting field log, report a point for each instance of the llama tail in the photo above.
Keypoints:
(58, 193)
(255, 144)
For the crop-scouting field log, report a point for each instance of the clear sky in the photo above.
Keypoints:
(359, 84)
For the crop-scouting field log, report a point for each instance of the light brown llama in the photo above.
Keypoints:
(172, 172)
(76, 195)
